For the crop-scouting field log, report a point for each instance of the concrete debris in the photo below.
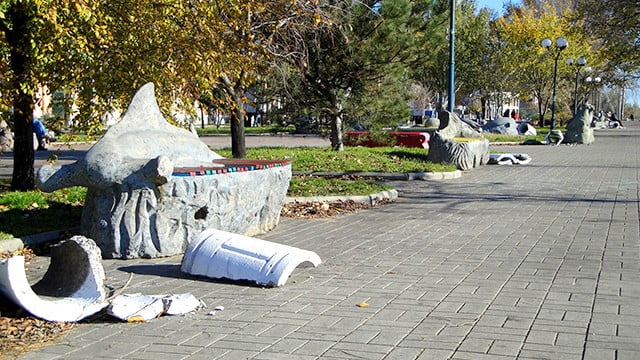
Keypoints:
(220, 254)
(73, 284)
(509, 159)
(138, 307)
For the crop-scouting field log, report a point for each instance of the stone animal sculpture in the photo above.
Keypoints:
(501, 125)
(579, 129)
(458, 143)
(137, 205)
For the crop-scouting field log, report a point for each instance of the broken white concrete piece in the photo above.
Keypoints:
(73, 284)
(147, 307)
(181, 304)
(509, 159)
(220, 254)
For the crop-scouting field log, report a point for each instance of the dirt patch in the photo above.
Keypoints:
(324, 209)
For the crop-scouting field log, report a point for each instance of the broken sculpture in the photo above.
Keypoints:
(71, 289)
(138, 307)
(457, 142)
(152, 186)
(220, 254)
(509, 159)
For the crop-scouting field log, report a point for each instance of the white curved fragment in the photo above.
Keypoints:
(220, 254)
(127, 306)
(73, 284)
(147, 307)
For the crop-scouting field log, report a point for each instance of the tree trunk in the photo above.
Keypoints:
(238, 145)
(19, 39)
(336, 125)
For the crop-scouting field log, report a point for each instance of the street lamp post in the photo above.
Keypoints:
(561, 44)
(578, 64)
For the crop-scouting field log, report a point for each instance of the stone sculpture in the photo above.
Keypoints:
(458, 143)
(501, 125)
(152, 186)
(579, 129)
(71, 289)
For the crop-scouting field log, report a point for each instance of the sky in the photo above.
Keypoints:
(496, 5)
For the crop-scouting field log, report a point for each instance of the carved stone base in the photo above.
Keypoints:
(129, 222)
(465, 155)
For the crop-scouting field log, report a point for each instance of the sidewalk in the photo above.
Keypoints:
(530, 262)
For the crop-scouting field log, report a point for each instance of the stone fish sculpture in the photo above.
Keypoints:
(138, 206)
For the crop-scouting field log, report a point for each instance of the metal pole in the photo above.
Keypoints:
(575, 94)
(452, 17)
(553, 97)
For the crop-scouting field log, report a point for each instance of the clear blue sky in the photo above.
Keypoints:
(496, 5)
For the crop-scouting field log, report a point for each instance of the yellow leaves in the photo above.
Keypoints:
(362, 304)
(136, 319)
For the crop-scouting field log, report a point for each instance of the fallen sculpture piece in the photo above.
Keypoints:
(152, 186)
(138, 307)
(220, 254)
(73, 284)
(509, 159)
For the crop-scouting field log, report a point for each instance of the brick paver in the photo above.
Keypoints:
(530, 262)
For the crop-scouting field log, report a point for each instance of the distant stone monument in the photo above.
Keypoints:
(501, 125)
(579, 129)
(152, 186)
(458, 143)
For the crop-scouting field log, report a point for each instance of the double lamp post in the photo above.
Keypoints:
(561, 44)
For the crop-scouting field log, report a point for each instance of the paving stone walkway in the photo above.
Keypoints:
(529, 262)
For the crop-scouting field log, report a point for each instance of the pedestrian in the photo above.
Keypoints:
(6, 138)
(40, 131)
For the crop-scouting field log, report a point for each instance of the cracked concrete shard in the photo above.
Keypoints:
(220, 254)
(71, 289)
(129, 307)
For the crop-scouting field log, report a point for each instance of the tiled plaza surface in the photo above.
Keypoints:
(531, 262)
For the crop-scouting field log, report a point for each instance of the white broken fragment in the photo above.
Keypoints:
(146, 307)
(220, 254)
(181, 304)
(509, 159)
(71, 289)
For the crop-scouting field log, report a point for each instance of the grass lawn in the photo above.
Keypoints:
(352, 159)
(24, 213)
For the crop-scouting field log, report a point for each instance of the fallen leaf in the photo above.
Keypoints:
(362, 304)
(135, 319)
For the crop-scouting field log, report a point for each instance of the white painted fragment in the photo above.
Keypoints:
(147, 307)
(509, 159)
(73, 284)
(220, 254)
(181, 304)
